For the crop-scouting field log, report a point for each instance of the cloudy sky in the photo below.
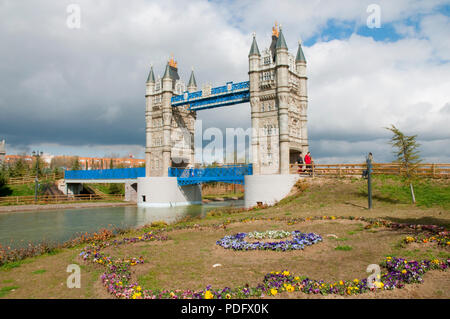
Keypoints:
(81, 91)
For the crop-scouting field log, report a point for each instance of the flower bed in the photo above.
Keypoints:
(442, 239)
(117, 277)
(299, 241)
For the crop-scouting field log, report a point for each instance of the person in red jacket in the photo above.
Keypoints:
(308, 162)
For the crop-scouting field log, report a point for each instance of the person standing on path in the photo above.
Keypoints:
(308, 162)
(300, 163)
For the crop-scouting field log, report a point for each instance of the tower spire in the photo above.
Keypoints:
(151, 76)
(254, 49)
(192, 81)
(281, 42)
(300, 56)
(167, 72)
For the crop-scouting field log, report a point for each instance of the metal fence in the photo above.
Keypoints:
(55, 199)
(343, 170)
(233, 174)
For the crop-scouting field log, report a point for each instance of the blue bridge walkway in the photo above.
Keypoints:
(229, 94)
(228, 174)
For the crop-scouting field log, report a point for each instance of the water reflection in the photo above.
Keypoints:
(20, 228)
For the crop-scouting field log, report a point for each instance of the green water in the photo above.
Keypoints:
(20, 228)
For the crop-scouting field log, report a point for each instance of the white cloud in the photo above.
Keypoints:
(87, 86)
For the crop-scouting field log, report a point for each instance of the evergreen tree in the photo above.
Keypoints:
(76, 164)
(407, 154)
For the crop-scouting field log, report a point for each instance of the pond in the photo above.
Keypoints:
(20, 228)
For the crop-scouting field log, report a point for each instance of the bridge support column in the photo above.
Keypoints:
(165, 192)
(73, 188)
(267, 189)
(131, 192)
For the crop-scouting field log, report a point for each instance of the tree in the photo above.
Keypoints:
(38, 166)
(19, 168)
(407, 154)
(76, 164)
(3, 175)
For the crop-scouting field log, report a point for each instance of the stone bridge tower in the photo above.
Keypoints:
(279, 102)
(169, 131)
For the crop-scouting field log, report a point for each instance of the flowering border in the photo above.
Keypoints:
(299, 241)
(117, 277)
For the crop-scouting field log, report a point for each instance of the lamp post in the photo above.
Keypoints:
(37, 155)
(369, 179)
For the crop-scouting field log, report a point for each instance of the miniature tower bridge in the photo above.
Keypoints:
(277, 92)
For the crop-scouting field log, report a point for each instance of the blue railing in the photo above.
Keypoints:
(115, 173)
(228, 174)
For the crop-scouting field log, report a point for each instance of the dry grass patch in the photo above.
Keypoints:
(186, 260)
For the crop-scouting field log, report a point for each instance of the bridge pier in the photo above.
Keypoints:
(131, 192)
(73, 188)
(165, 192)
(267, 189)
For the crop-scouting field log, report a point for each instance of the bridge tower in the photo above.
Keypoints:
(169, 131)
(279, 102)
(169, 141)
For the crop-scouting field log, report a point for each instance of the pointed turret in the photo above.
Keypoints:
(192, 85)
(300, 56)
(281, 42)
(151, 76)
(167, 72)
(192, 81)
(254, 49)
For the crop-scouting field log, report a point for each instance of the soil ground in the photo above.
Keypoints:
(186, 260)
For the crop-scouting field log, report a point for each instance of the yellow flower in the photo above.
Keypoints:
(290, 288)
(172, 294)
(273, 291)
(208, 295)
(228, 296)
(379, 284)
(404, 271)
(341, 283)
(286, 273)
(297, 278)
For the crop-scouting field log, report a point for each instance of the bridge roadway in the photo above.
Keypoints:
(229, 94)
(191, 176)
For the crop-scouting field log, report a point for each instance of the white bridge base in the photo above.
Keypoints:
(165, 192)
(267, 189)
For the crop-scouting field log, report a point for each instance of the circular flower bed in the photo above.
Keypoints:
(299, 241)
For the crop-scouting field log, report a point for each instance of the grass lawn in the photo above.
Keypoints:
(186, 260)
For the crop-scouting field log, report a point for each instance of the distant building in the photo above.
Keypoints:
(2, 151)
(86, 163)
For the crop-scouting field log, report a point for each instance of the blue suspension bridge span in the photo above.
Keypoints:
(233, 174)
